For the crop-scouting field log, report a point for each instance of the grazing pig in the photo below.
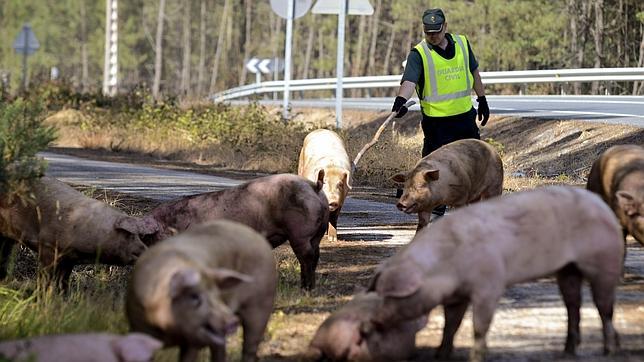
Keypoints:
(456, 174)
(104, 347)
(323, 156)
(473, 255)
(349, 335)
(618, 177)
(67, 228)
(280, 207)
(193, 289)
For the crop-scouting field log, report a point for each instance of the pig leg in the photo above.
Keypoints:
(6, 246)
(332, 232)
(254, 320)
(453, 317)
(569, 279)
(484, 303)
(56, 272)
(188, 354)
(603, 290)
(307, 254)
(217, 353)
(423, 219)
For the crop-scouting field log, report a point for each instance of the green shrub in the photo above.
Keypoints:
(22, 135)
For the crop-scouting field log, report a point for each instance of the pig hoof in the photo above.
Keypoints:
(443, 353)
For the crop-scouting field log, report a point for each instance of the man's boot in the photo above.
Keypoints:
(438, 212)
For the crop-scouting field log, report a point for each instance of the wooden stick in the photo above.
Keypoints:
(376, 137)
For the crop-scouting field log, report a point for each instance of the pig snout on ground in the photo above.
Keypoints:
(618, 177)
(65, 228)
(323, 156)
(473, 255)
(104, 347)
(195, 288)
(349, 335)
(457, 174)
(280, 207)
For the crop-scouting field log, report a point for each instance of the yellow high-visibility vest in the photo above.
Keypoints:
(448, 82)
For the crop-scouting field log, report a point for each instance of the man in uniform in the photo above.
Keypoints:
(443, 70)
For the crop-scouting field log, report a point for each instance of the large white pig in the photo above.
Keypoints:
(104, 347)
(323, 155)
(618, 177)
(457, 174)
(67, 228)
(349, 335)
(195, 288)
(472, 256)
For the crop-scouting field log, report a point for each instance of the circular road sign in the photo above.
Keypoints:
(280, 7)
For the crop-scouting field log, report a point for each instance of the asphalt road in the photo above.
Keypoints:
(625, 110)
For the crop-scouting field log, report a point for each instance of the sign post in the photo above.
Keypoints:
(342, 8)
(25, 44)
(289, 9)
(266, 66)
(110, 67)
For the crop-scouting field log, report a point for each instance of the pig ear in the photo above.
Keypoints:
(626, 201)
(135, 347)
(228, 278)
(399, 281)
(137, 225)
(399, 177)
(430, 175)
(320, 180)
(182, 280)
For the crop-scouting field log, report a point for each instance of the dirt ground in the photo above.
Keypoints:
(530, 322)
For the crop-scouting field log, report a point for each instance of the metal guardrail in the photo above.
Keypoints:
(389, 81)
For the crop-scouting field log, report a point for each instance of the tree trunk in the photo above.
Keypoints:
(201, 69)
(220, 45)
(640, 63)
(320, 51)
(84, 55)
(598, 35)
(309, 49)
(158, 49)
(185, 64)
(374, 35)
(356, 67)
(574, 40)
(247, 41)
(390, 46)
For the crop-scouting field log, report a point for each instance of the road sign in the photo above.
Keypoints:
(266, 66)
(280, 7)
(251, 65)
(356, 7)
(26, 42)
(263, 66)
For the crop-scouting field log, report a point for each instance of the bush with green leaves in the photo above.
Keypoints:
(22, 135)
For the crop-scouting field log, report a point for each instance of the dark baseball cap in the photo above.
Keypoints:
(433, 20)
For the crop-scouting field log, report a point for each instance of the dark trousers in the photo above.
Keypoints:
(439, 131)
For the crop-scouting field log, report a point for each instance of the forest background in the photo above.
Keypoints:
(192, 48)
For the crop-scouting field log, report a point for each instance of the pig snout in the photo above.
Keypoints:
(216, 329)
(407, 207)
(136, 249)
(333, 206)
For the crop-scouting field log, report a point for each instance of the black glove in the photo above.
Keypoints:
(399, 106)
(484, 110)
